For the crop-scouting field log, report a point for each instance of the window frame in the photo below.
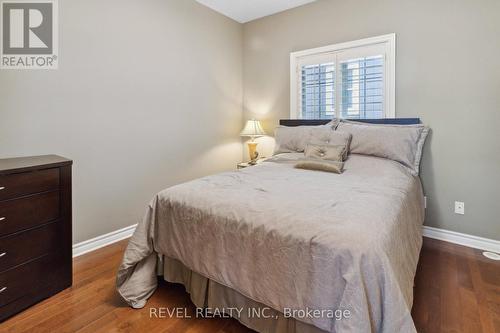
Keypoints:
(300, 57)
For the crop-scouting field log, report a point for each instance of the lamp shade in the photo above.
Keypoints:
(252, 128)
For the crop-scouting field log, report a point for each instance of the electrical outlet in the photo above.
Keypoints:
(459, 207)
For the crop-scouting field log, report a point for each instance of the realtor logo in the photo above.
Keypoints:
(29, 34)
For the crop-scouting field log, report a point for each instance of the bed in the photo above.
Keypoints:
(295, 250)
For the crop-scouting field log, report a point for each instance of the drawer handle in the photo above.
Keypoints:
(2, 254)
(2, 218)
(2, 188)
(3, 289)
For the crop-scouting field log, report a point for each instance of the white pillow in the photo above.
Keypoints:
(400, 143)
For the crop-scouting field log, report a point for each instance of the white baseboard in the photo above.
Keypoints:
(430, 232)
(463, 239)
(103, 240)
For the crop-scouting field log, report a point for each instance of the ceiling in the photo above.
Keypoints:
(248, 10)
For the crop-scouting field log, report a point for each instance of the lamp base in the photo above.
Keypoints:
(252, 152)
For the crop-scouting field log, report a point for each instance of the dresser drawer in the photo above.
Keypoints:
(21, 280)
(28, 212)
(27, 245)
(19, 184)
(35, 230)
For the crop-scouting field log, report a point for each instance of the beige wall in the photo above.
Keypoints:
(447, 72)
(148, 94)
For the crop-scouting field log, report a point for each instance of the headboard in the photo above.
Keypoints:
(315, 122)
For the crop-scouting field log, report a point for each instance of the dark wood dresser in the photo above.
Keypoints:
(35, 230)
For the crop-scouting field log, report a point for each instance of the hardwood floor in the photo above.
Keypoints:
(457, 290)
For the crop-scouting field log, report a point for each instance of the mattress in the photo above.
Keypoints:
(292, 239)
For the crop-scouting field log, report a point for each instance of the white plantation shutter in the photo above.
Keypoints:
(352, 82)
(318, 91)
(362, 88)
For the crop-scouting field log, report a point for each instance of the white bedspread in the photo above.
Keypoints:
(292, 238)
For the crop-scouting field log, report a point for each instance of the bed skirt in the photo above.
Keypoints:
(208, 294)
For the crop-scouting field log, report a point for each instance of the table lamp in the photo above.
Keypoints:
(253, 129)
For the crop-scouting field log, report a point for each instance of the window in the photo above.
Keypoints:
(353, 80)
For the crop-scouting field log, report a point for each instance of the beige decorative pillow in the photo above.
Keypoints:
(328, 166)
(291, 139)
(325, 152)
(326, 136)
(400, 143)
